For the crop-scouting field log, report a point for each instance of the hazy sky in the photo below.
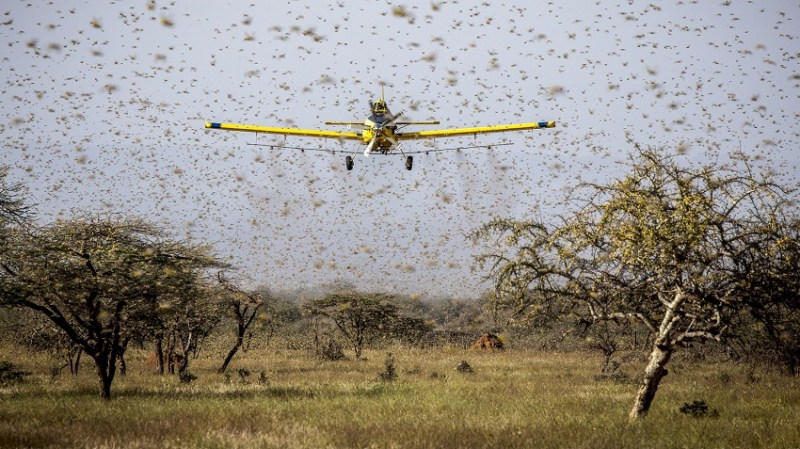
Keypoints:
(104, 102)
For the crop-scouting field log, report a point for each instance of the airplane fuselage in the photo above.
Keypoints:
(379, 131)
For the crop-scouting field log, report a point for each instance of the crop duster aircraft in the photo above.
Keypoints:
(381, 133)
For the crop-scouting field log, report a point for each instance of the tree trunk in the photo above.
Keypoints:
(123, 366)
(106, 368)
(105, 387)
(74, 359)
(655, 371)
(241, 329)
(171, 355)
(358, 344)
(231, 353)
(159, 354)
(186, 348)
(663, 347)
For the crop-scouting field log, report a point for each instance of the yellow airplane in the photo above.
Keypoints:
(380, 133)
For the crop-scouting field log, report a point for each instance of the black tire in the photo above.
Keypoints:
(348, 162)
(409, 162)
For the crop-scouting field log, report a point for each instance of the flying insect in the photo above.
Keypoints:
(381, 133)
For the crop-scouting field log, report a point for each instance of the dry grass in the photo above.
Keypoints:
(513, 399)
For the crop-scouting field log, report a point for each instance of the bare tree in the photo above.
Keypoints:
(675, 249)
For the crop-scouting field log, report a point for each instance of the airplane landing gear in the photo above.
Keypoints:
(348, 162)
(409, 162)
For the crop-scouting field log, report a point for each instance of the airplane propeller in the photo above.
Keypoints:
(379, 131)
(394, 118)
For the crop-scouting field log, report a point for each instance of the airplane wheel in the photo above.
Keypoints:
(348, 162)
(409, 162)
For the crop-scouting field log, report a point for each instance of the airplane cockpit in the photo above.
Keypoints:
(379, 107)
(380, 112)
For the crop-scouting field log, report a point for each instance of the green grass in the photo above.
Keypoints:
(515, 399)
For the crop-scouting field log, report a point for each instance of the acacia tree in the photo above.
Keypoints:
(12, 206)
(675, 249)
(98, 279)
(27, 328)
(186, 315)
(245, 307)
(14, 217)
(771, 330)
(359, 316)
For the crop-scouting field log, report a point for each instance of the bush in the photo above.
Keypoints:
(10, 374)
(186, 377)
(618, 377)
(332, 350)
(464, 367)
(698, 409)
(611, 372)
(389, 373)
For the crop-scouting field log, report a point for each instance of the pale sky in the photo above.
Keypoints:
(104, 105)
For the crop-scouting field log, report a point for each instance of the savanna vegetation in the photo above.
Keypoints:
(692, 271)
(518, 398)
(684, 253)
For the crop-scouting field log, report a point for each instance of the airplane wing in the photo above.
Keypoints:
(304, 149)
(476, 130)
(345, 123)
(461, 148)
(406, 123)
(285, 131)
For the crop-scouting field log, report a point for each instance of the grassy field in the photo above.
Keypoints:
(514, 399)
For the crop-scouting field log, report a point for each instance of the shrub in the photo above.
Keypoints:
(698, 409)
(186, 377)
(11, 374)
(618, 377)
(389, 373)
(464, 367)
(611, 372)
(332, 350)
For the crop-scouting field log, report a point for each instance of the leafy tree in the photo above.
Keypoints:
(98, 279)
(459, 314)
(772, 328)
(30, 329)
(678, 250)
(187, 318)
(360, 317)
(408, 329)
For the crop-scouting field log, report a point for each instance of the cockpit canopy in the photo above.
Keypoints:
(379, 107)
